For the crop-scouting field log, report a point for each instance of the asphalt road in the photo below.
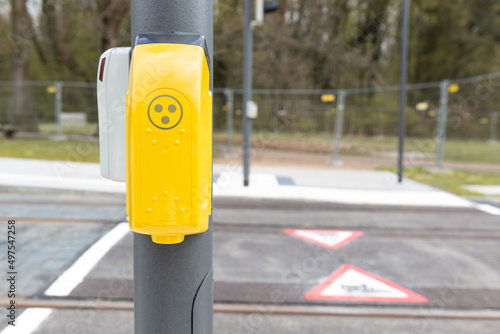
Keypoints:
(446, 257)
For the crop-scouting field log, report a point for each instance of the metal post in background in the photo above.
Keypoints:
(276, 119)
(173, 283)
(339, 119)
(328, 120)
(247, 89)
(228, 92)
(58, 105)
(443, 119)
(403, 76)
(328, 117)
(493, 127)
(380, 123)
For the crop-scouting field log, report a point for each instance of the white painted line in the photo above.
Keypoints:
(28, 321)
(485, 190)
(492, 210)
(77, 272)
(269, 189)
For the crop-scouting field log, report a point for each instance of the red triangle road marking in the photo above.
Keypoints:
(332, 239)
(350, 283)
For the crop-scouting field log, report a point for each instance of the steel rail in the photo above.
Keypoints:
(274, 309)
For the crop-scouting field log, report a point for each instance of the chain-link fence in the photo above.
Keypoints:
(68, 108)
(449, 120)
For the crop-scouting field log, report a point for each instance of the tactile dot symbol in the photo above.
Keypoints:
(176, 143)
(154, 142)
(165, 111)
(155, 198)
(177, 199)
(182, 131)
(182, 210)
(148, 130)
(165, 193)
(149, 210)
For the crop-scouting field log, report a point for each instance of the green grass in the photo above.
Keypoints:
(451, 181)
(48, 149)
(455, 150)
(84, 130)
(280, 136)
(78, 151)
(466, 151)
(472, 151)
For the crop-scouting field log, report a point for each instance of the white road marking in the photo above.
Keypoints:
(77, 272)
(28, 321)
(266, 186)
(485, 190)
(332, 239)
(492, 210)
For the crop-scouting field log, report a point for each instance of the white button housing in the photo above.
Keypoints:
(111, 99)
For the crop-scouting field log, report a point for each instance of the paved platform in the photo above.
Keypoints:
(75, 247)
(255, 259)
(335, 186)
(449, 256)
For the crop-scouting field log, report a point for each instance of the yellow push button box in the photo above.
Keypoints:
(169, 137)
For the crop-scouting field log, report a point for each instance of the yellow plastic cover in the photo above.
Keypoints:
(169, 141)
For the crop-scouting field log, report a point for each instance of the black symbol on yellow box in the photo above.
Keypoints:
(165, 112)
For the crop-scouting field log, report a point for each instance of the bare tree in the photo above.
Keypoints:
(24, 114)
(72, 30)
(111, 15)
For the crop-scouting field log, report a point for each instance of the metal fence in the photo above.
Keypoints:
(461, 113)
(60, 107)
(453, 120)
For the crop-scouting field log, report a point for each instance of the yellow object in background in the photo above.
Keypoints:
(327, 98)
(453, 88)
(169, 141)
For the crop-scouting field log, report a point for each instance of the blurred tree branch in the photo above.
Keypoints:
(20, 27)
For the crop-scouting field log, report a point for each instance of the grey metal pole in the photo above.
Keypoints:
(443, 119)
(58, 105)
(328, 113)
(247, 89)
(380, 123)
(276, 120)
(228, 92)
(403, 76)
(493, 129)
(173, 283)
(339, 120)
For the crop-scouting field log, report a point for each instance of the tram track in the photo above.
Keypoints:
(274, 309)
(263, 204)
